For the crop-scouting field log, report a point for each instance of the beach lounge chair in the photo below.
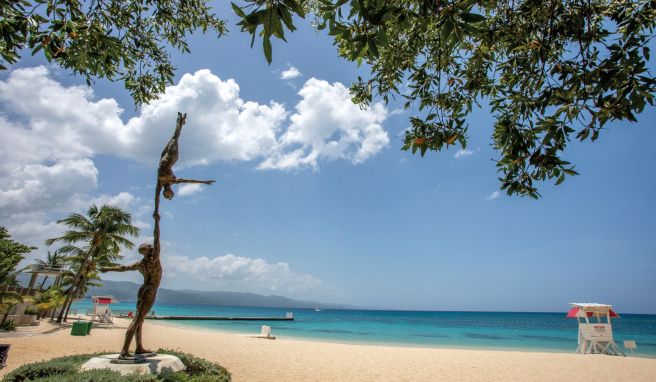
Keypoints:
(100, 314)
(266, 333)
(630, 345)
(4, 353)
(107, 317)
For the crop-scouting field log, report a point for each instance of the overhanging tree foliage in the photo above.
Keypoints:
(549, 71)
(118, 40)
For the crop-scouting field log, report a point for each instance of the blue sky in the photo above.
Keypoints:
(369, 225)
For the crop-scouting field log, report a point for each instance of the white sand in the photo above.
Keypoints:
(251, 359)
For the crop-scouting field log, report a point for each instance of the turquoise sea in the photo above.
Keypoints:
(488, 330)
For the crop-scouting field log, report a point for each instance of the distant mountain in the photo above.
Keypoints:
(127, 291)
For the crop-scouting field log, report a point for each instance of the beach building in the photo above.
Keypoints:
(23, 314)
(595, 328)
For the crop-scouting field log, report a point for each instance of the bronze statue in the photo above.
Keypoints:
(165, 176)
(151, 269)
(150, 266)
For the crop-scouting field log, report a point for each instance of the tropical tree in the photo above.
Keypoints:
(83, 271)
(120, 40)
(549, 71)
(11, 254)
(92, 278)
(7, 300)
(49, 301)
(103, 231)
(53, 260)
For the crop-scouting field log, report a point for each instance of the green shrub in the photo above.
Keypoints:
(197, 367)
(54, 367)
(98, 376)
(9, 326)
(30, 310)
(66, 369)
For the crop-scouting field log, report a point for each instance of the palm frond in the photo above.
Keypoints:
(10, 298)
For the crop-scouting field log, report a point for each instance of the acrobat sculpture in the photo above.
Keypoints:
(150, 266)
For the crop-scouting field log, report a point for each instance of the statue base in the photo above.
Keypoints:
(128, 360)
(146, 355)
(151, 365)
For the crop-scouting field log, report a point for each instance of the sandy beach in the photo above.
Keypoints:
(252, 359)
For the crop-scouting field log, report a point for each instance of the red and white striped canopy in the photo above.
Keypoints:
(103, 299)
(577, 312)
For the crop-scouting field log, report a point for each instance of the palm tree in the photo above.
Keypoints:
(103, 232)
(49, 300)
(86, 268)
(7, 300)
(53, 260)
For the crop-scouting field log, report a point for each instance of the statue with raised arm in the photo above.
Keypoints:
(165, 176)
(150, 266)
(151, 270)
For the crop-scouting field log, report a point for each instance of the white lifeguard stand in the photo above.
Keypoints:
(595, 330)
(101, 308)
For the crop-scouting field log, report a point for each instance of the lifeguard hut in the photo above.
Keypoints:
(101, 310)
(595, 329)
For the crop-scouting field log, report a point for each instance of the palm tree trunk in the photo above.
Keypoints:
(71, 292)
(43, 283)
(61, 316)
(68, 309)
(4, 318)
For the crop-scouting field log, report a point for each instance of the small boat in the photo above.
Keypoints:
(318, 309)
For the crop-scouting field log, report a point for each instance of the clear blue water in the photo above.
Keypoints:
(489, 330)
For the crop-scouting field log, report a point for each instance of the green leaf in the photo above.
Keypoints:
(472, 17)
(373, 50)
(238, 10)
(36, 49)
(266, 41)
(560, 179)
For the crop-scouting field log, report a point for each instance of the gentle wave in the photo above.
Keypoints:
(532, 331)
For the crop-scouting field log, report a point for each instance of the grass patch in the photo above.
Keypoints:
(67, 369)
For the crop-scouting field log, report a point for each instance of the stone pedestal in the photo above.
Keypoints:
(153, 365)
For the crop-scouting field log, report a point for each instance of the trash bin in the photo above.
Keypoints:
(79, 328)
(89, 327)
(4, 352)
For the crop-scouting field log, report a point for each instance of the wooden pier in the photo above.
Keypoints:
(217, 318)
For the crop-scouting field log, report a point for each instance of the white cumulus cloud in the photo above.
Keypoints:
(290, 73)
(327, 125)
(220, 126)
(463, 153)
(189, 189)
(52, 134)
(237, 273)
(493, 195)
